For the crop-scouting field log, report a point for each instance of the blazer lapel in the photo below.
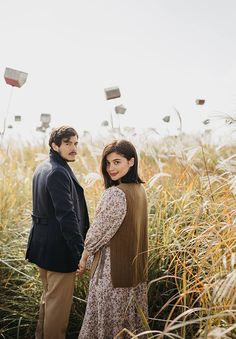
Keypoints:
(56, 157)
(74, 178)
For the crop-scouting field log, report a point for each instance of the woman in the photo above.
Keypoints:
(119, 242)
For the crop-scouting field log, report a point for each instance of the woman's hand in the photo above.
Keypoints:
(82, 264)
(81, 267)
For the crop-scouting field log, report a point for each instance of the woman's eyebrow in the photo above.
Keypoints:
(113, 160)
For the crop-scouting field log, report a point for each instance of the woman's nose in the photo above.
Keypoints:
(111, 167)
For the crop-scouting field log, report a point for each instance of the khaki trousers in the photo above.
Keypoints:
(55, 304)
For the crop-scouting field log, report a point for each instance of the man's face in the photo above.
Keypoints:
(67, 149)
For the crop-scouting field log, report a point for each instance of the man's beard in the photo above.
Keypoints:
(67, 160)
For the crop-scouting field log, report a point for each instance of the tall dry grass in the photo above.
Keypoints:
(191, 193)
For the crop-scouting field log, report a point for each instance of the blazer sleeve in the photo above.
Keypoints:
(59, 188)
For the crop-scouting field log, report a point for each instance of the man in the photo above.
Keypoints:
(60, 223)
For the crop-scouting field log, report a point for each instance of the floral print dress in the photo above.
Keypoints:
(110, 309)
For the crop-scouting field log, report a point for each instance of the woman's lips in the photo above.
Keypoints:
(113, 174)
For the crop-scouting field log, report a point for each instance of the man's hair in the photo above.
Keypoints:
(61, 133)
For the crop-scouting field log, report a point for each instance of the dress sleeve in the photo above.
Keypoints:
(109, 216)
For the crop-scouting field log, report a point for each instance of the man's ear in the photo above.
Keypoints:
(55, 147)
(131, 162)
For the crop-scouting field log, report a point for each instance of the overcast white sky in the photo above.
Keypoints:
(161, 53)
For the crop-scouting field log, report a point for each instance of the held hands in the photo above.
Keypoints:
(82, 264)
(81, 267)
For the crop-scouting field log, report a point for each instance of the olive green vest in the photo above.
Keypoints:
(129, 246)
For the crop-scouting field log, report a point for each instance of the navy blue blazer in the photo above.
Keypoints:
(60, 217)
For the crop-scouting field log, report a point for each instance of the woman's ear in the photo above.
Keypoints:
(131, 162)
(55, 147)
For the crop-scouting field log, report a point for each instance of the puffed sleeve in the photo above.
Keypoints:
(109, 216)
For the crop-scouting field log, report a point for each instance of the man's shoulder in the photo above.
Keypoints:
(49, 167)
(57, 169)
(42, 166)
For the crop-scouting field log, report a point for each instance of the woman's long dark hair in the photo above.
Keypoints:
(127, 150)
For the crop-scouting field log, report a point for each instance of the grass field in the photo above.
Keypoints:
(191, 189)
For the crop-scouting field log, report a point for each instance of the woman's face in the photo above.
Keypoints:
(118, 165)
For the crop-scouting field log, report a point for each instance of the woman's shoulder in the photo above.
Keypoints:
(111, 197)
(113, 191)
